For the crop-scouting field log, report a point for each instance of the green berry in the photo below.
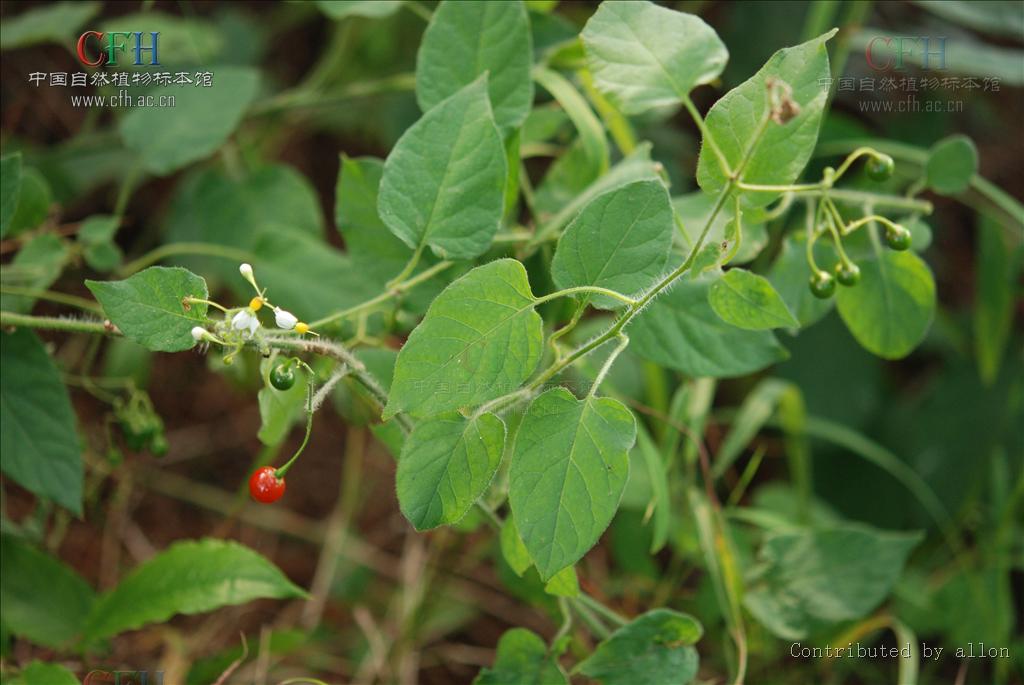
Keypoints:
(282, 377)
(823, 285)
(880, 168)
(847, 274)
(897, 238)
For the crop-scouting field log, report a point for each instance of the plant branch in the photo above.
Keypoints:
(176, 249)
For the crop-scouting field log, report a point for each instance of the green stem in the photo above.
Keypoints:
(593, 622)
(280, 473)
(176, 249)
(605, 611)
(410, 266)
(396, 290)
(51, 296)
(608, 363)
(859, 197)
(706, 136)
(52, 323)
(592, 289)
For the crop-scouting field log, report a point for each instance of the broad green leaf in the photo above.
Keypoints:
(791, 274)
(1001, 18)
(952, 162)
(40, 673)
(280, 409)
(444, 181)
(637, 166)
(36, 266)
(168, 138)
(149, 306)
(33, 205)
(97, 237)
(993, 298)
(42, 599)
(522, 659)
(808, 579)
(920, 233)
(367, 238)
(747, 300)
(480, 339)
(211, 207)
(374, 9)
(681, 331)
(656, 647)
(565, 583)
(306, 276)
(694, 209)
(619, 241)
(736, 121)
(891, 308)
(463, 41)
(513, 549)
(38, 442)
(446, 465)
(592, 141)
(55, 23)
(644, 56)
(569, 467)
(190, 577)
(10, 184)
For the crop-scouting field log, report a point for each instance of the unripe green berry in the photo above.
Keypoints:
(847, 274)
(822, 285)
(898, 237)
(880, 168)
(282, 377)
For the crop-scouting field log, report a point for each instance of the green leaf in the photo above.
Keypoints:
(569, 467)
(644, 56)
(168, 138)
(891, 308)
(593, 143)
(10, 184)
(56, 23)
(693, 209)
(190, 577)
(656, 647)
(993, 298)
(619, 241)
(749, 301)
(374, 9)
(480, 339)
(444, 181)
(660, 504)
(149, 306)
(790, 275)
(446, 465)
(681, 331)
(280, 409)
(808, 579)
(522, 659)
(211, 207)
(367, 239)
(37, 432)
(513, 549)
(36, 266)
(565, 583)
(952, 162)
(97, 236)
(39, 673)
(184, 41)
(465, 40)
(34, 199)
(42, 599)
(782, 151)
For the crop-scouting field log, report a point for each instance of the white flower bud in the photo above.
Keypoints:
(285, 319)
(199, 333)
(246, 271)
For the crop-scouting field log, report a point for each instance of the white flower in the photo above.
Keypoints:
(245, 320)
(199, 333)
(285, 319)
(246, 271)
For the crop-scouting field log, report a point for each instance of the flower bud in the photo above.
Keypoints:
(285, 319)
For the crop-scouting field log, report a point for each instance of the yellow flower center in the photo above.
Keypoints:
(301, 328)
(255, 304)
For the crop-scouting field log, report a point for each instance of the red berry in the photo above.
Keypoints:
(265, 486)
